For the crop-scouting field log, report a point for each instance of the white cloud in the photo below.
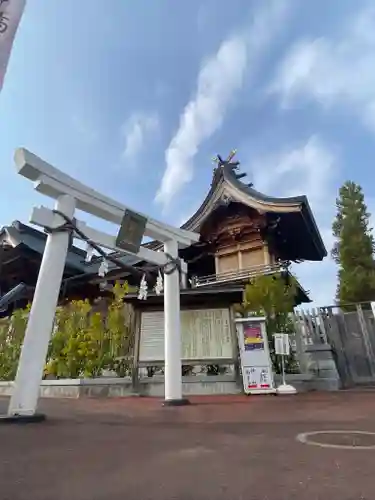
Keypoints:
(136, 130)
(336, 70)
(307, 168)
(219, 79)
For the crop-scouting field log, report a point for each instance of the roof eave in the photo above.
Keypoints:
(19, 234)
(258, 199)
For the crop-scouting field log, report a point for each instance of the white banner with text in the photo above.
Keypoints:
(10, 16)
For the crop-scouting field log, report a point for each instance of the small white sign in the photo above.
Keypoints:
(282, 345)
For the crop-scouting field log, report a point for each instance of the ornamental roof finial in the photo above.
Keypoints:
(228, 162)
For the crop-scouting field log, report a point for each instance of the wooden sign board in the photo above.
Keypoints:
(132, 229)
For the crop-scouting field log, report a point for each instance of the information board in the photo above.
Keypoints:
(256, 363)
(205, 334)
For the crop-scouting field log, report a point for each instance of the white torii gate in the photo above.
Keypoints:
(70, 194)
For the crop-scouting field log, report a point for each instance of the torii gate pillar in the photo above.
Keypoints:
(172, 333)
(25, 394)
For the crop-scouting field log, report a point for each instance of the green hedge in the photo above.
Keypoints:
(87, 339)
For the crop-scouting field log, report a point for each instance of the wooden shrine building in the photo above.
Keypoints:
(244, 233)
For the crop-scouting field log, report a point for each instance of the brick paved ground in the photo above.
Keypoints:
(218, 448)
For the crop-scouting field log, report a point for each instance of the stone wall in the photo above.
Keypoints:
(322, 367)
(321, 377)
(115, 387)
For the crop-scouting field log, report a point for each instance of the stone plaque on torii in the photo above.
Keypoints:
(70, 195)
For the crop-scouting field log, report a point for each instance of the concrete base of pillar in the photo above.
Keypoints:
(176, 402)
(22, 419)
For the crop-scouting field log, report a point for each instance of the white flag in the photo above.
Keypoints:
(10, 16)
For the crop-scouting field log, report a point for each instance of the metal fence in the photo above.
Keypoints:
(350, 331)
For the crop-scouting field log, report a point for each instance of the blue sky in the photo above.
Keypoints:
(134, 98)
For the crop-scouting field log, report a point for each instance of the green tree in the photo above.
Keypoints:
(12, 332)
(272, 297)
(354, 247)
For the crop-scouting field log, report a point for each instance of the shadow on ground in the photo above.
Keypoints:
(218, 448)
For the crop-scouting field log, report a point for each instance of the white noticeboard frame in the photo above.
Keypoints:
(256, 364)
(282, 344)
(205, 334)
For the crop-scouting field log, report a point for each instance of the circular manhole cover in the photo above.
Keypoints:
(359, 440)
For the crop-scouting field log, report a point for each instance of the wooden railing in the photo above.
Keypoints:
(237, 275)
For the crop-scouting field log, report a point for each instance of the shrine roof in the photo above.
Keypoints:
(297, 225)
(296, 232)
(28, 239)
(21, 235)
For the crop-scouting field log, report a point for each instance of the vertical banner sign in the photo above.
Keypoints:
(256, 362)
(10, 16)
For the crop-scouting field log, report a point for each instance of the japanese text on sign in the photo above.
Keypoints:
(4, 20)
(10, 15)
(258, 377)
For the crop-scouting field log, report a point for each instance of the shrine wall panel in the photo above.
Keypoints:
(253, 257)
(228, 262)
